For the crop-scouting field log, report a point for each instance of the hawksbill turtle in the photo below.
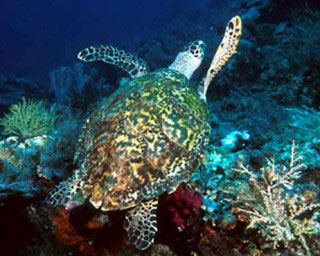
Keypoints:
(147, 137)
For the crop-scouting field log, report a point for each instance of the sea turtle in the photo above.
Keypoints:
(147, 137)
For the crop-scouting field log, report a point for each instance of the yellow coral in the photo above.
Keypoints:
(28, 119)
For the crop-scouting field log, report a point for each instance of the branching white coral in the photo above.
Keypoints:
(282, 217)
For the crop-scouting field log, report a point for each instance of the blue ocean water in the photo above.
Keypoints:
(37, 36)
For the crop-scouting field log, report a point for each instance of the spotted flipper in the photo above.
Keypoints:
(132, 64)
(225, 50)
(65, 192)
(141, 224)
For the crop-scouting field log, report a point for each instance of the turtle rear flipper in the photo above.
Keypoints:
(130, 63)
(65, 192)
(141, 224)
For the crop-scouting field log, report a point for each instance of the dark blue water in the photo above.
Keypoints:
(37, 36)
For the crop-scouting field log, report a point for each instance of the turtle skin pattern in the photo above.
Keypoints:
(143, 140)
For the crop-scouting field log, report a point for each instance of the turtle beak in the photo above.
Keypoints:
(202, 46)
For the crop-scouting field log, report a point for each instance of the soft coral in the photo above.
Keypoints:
(180, 220)
(183, 204)
(68, 235)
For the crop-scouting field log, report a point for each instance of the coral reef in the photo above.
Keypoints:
(29, 119)
(180, 220)
(288, 54)
(182, 205)
(32, 165)
(78, 85)
(283, 217)
(158, 249)
(68, 235)
(215, 180)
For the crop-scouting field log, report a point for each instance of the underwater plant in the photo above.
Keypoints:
(271, 205)
(29, 119)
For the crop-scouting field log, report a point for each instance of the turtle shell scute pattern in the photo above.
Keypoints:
(143, 140)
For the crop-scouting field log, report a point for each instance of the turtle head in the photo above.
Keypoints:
(190, 58)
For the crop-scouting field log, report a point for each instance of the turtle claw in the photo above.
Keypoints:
(141, 224)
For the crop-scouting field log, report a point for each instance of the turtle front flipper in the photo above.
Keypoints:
(141, 224)
(130, 63)
(66, 192)
(225, 50)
